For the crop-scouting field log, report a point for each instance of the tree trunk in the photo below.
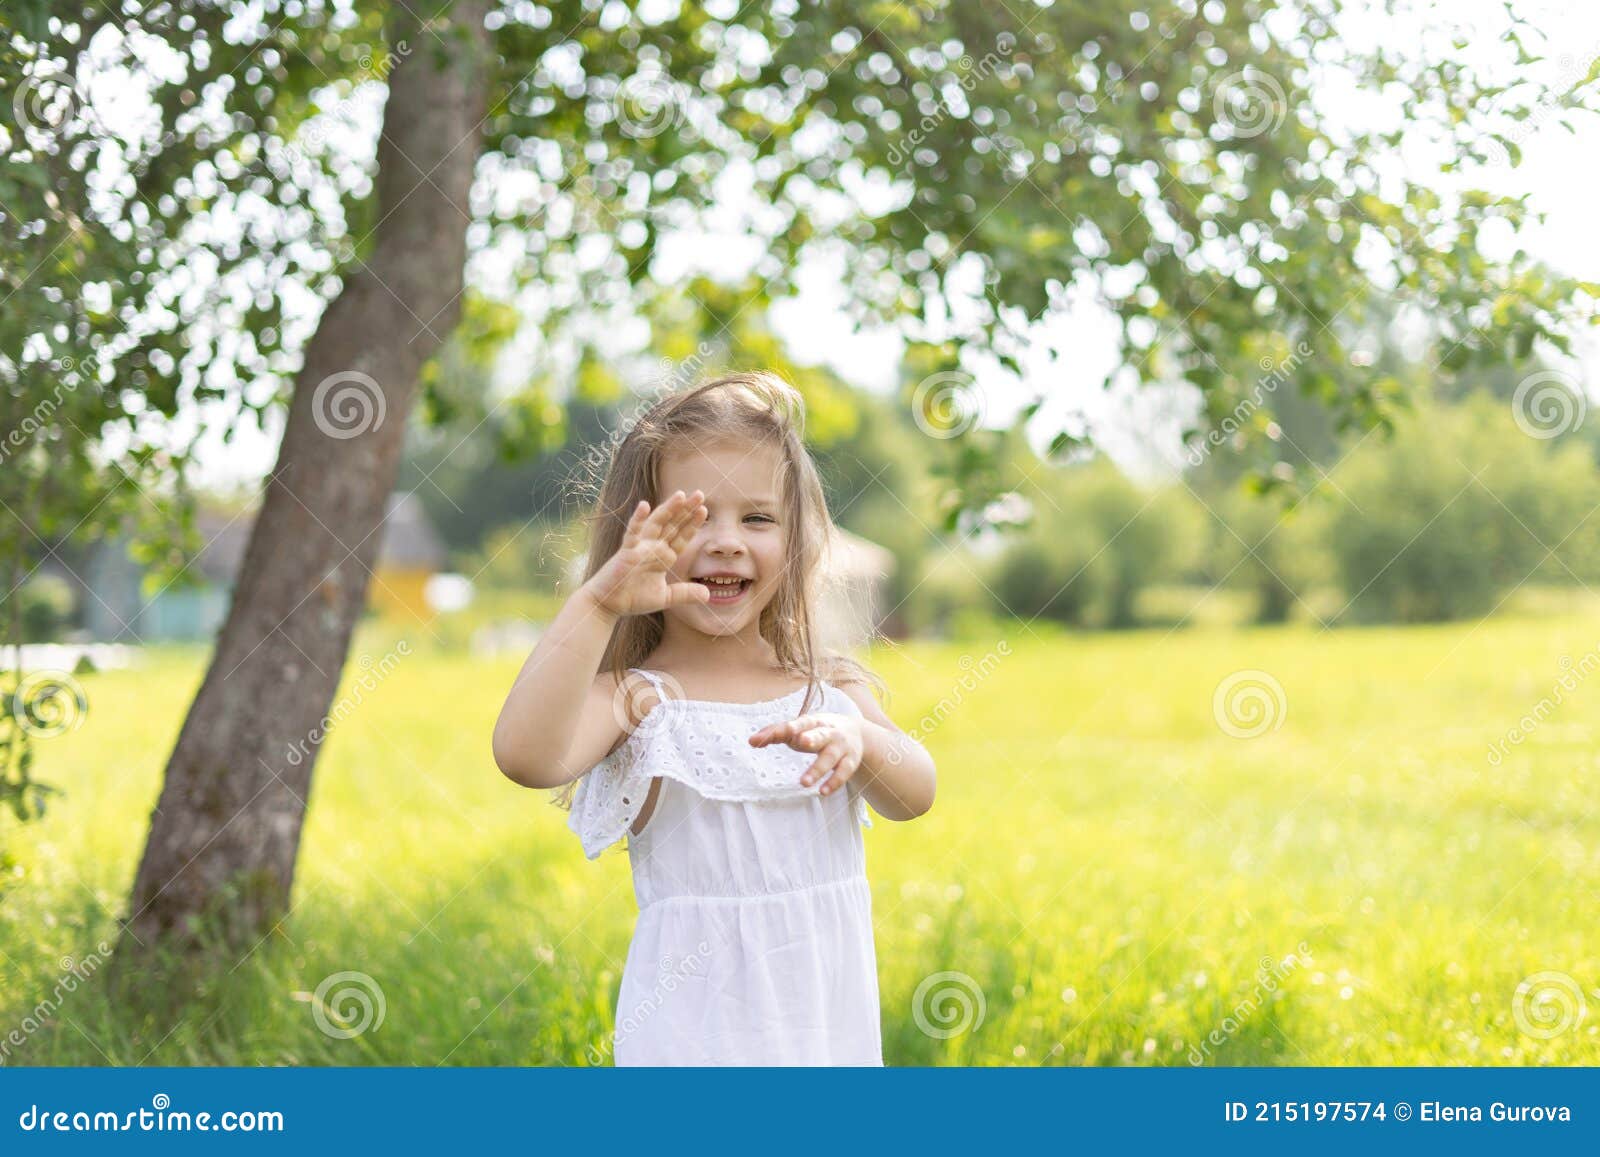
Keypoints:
(225, 832)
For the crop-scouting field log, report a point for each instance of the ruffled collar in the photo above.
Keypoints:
(695, 742)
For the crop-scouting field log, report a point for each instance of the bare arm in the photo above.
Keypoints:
(898, 777)
(559, 719)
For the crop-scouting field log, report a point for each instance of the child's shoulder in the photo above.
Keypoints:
(632, 695)
(852, 677)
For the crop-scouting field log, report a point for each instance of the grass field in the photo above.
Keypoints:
(1108, 872)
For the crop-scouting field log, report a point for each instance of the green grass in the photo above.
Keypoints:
(1105, 864)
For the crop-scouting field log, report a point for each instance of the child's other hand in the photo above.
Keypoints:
(837, 739)
(634, 580)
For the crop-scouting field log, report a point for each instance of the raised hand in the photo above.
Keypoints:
(836, 738)
(634, 580)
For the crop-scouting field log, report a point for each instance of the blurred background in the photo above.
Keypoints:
(1201, 393)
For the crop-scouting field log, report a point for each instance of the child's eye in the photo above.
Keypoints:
(759, 518)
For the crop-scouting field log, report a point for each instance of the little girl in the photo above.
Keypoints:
(682, 689)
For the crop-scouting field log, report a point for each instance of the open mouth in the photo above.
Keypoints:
(725, 590)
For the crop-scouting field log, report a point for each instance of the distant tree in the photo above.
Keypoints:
(1279, 555)
(1458, 511)
(1095, 541)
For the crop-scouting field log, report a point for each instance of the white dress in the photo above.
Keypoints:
(754, 939)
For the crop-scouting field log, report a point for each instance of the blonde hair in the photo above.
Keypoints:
(755, 408)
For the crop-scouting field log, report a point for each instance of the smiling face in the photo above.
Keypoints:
(739, 553)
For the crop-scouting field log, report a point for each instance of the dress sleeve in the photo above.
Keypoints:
(863, 814)
(608, 797)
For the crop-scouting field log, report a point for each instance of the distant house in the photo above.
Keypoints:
(120, 608)
(853, 604)
(853, 597)
(412, 553)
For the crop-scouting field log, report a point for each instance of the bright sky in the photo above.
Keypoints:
(1124, 420)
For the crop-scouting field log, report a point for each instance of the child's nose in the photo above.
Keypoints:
(722, 539)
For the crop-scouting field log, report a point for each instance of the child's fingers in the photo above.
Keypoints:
(671, 525)
(842, 772)
(662, 515)
(785, 731)
(644, 530)
(687, 528)
(635, 523)
(672, 512)
(694, 513)
(680, 594)
(686, 504)
(813, 740)
(824, 764)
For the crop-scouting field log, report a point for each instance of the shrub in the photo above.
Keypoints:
(1096, 540)
(1277, 552)
(45, 607)
(1459, 509)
